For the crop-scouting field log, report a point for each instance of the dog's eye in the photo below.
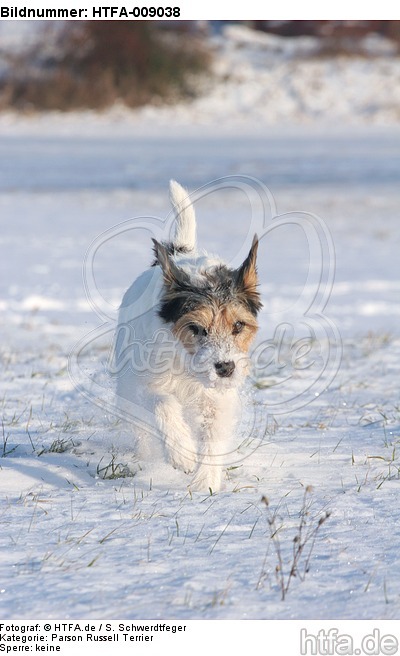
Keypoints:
(197, 330)
(238, 327)
(193, 328)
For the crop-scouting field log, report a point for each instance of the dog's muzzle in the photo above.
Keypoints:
(225, 369)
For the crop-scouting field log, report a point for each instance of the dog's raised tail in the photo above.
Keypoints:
(185, 219)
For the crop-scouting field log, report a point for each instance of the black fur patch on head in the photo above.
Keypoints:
(172, 309)
(180, 300)
(227, 286)
(218, 287)
(253, 304)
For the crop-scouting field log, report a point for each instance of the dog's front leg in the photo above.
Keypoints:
(217, 430)
(175, 432)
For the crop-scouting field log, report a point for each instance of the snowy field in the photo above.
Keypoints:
(81, 536)
(85, 532)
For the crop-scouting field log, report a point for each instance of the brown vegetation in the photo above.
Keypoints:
(93, 64)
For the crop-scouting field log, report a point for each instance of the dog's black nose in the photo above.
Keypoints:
(225, 369)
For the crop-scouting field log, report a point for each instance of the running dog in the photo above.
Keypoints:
(181, 349)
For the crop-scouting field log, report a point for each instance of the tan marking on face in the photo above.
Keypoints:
(217, 321)
(202, 317)
(225, 322)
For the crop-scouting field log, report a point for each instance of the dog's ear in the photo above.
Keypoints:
(246, 280)
(173, 276)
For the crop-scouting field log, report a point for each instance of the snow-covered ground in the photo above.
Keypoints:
(84, 538)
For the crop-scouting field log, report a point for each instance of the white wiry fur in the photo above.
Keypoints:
(178, 396)
(185, 227)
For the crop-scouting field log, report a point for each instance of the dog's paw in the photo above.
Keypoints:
(181, 457)
(206, 479)
(179, 461)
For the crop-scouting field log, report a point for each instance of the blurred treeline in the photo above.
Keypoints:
(93, 64)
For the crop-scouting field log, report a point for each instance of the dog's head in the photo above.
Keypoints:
(212, 311)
